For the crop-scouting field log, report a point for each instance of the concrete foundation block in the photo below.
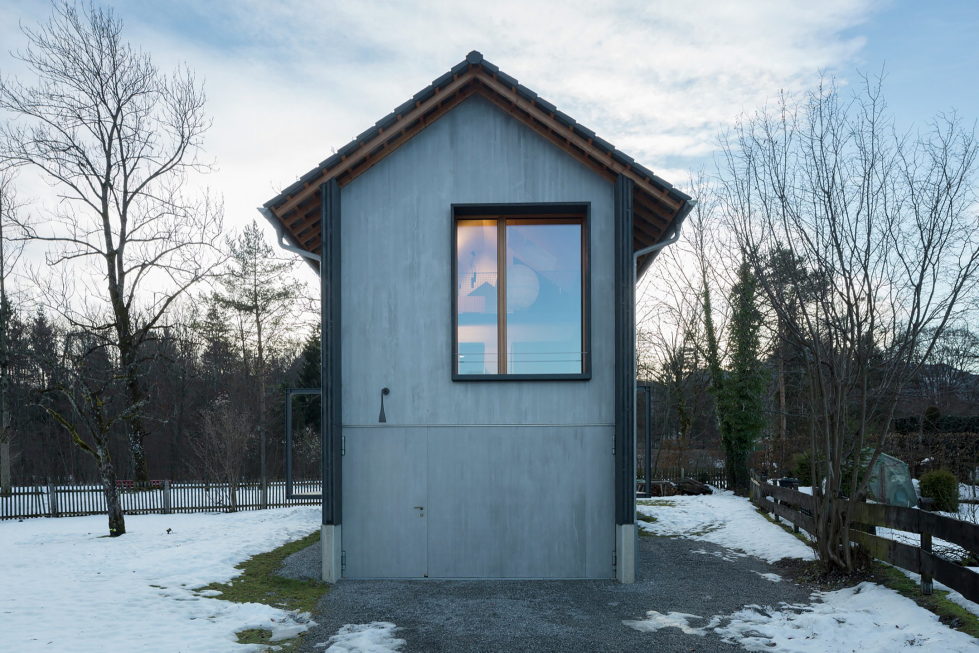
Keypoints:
(625, 552)
(332, 553)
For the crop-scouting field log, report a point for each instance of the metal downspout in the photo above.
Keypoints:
(282, 238)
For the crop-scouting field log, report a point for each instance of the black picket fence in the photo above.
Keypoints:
(56, 499)
(715, 477)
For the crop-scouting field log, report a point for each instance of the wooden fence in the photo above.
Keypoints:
(715, 477)
(799, 509)
(155, 497)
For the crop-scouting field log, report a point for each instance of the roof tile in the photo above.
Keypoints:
(506, 79)
(564, 118)
(545, 105)
(439, 82)
(405, 108)
(368, 133)
(424, 94)
(330, 161)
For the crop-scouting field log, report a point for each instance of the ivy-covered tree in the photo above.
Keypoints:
(739, 391)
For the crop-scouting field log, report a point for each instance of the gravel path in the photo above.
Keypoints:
(544, 616)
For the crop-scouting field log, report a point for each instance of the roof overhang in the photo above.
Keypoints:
(656, 203)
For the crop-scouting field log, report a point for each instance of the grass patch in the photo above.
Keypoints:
(655, 502)
(788, 529)
(709, 528)
(646, 518)
(949, 613)
(259, 583)
(254, 636)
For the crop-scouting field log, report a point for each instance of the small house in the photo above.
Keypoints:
(478, 251)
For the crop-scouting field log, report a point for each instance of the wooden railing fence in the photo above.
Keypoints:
(56, 499)
(798, 509)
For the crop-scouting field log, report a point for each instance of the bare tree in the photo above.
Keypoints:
(887, 225)
(948, 370)
(116, 138)
(10, 251)
(224, 444)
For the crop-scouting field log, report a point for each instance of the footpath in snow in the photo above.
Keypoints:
(866, 618)
(67, 587)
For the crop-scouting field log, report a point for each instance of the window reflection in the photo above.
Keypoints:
(543, 297)
(477, 298)
(541, 322)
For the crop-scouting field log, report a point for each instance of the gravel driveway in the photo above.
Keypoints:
(675, 575)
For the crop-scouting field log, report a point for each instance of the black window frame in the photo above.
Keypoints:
(542, 210)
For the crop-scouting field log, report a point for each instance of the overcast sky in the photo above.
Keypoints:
(289, 82)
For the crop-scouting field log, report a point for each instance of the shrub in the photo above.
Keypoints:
(802, 468)
(942, 486)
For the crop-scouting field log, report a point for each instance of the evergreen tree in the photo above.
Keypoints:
(260, 290)
(308, 413)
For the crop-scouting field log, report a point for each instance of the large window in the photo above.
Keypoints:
(520, 292)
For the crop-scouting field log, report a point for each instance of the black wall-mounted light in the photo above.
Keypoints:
(382, 418)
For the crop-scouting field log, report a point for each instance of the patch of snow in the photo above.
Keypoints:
(727, 556)
(775, 578)
(657, 620)
(67, 586)
(725, 519)
(867, 618)
(375, 637)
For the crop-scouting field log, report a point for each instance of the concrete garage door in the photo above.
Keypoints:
(478, 502)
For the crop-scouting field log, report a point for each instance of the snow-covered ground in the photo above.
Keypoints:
(721, 518)
(66, 587)
(866, 618)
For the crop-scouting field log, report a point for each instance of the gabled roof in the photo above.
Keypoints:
(656, 203)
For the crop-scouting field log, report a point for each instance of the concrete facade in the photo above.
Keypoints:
(466, 479)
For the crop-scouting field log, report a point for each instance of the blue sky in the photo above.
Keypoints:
(290, 81)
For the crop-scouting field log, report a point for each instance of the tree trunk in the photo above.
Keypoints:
(136, 429)
(107, 474)
(782, 408)
(6, 488)
(232, 496)
(264, 499)
(736, 462)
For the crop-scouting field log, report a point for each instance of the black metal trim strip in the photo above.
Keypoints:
(330, 405)
(625, 353)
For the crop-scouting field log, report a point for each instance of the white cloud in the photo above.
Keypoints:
(288, 81)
